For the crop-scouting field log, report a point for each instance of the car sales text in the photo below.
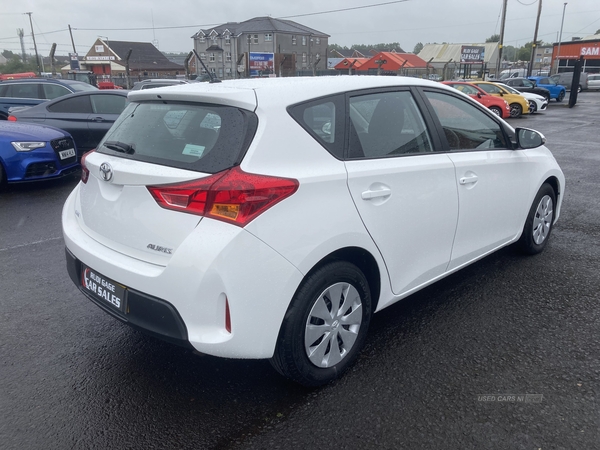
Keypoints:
(103, 288)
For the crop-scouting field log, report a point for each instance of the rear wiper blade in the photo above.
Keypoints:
(120, 147)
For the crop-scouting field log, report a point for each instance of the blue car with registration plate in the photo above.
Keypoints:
(557, 91)
(31, 152)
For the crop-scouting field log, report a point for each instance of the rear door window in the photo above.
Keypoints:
(76, 105)
(52, 91)
(386, 124)
(201, 137)
(108, 103)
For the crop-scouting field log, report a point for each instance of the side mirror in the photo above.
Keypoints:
(479, 95)
(527, 138)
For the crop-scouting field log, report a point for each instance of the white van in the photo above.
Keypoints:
(513, 73)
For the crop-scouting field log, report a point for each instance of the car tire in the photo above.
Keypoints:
(540, 219)
(516, 110)
(497, 111)
(561, 96)
(532, 107)
(325, 326)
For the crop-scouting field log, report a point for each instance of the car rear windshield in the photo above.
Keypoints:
(201, 137)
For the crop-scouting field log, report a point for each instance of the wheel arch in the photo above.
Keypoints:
(362, 259)
(555, 184)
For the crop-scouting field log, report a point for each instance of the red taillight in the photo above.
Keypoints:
(227, 316)
(233, 196)
(12, 119)
(85, 173)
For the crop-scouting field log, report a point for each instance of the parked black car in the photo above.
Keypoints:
(526, 85)
(87, 116)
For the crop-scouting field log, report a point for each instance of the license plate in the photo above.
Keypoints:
(68, 153)
(104, 289)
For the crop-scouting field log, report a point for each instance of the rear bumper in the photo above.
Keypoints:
(152, 315)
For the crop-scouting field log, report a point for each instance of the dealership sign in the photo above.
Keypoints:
(590, 51)
(261, 64)
(471, 54)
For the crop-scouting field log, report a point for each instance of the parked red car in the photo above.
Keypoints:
(496, 104)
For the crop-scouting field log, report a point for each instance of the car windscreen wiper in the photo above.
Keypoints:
(120, 147)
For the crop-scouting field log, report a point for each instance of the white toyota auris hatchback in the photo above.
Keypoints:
(270, 218)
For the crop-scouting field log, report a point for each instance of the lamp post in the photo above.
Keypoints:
(560, 37)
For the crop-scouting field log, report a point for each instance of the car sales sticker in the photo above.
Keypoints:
(103, 289)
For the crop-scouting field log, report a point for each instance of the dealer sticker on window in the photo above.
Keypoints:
(67, 153)
(102, 288)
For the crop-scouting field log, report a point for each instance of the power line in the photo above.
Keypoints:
(343, 9)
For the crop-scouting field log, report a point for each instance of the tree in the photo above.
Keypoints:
(493, 38)
(524, 53)
(15, 65)
(418, 48)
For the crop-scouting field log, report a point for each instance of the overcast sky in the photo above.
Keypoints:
(171, 23)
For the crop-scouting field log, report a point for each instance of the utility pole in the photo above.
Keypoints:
(534, 44)
(560, 38)
(37, 58)
(72, 41)
(501, 43)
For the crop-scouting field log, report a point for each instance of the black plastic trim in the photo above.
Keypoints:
(144, 312)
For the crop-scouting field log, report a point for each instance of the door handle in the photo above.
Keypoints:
(382, 192)
(98, 119)
(468, 180)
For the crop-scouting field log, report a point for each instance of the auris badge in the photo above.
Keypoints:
(106, 171)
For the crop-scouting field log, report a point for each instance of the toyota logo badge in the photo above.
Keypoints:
(106, 171)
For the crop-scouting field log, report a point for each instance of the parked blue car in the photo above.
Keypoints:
(557, 91)
(30, 152)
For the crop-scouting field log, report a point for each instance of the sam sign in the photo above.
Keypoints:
(261, 64)
(470, 54)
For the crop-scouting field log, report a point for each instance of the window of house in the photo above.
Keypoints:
(268, 37)
(228, 56)
(249, 39)
(227, 40)
(304, 57)
(202, 55)
(220, 57)
(255, 39)
(211, 57)
(220, 72)
(201, 39)
(303, 40)
(317, 40)
(293, 40)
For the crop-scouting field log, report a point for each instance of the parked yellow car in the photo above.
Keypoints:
(518, 104)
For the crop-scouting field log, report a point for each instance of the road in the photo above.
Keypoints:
(448, 368)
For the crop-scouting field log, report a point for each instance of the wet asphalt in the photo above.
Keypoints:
(502, 355)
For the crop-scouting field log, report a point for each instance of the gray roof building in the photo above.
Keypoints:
(226, 49)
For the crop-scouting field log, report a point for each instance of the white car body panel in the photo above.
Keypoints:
(420, 207)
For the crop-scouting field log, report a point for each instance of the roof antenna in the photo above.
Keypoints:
(213, 77)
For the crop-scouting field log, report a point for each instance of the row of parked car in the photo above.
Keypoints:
(515, 96)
